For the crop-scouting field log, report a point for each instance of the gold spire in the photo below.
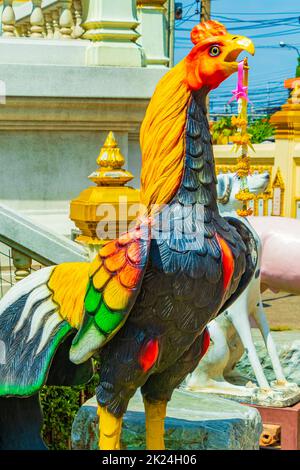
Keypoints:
(110, 161)
(110, 198)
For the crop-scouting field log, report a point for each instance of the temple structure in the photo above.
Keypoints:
(281, 159)
(287, 123)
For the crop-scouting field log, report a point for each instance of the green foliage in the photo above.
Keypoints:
(222, 129)
(60, 405)
(260, 130)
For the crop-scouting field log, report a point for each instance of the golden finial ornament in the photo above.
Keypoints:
(110, 194)
(110, 161)
(242, 140)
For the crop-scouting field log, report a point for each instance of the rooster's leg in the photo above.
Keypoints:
(109, 430)
(155, 424)
(158, 389)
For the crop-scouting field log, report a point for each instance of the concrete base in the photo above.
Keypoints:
(114, 54)
(193, 423)
(134, 83)
(275, 397)
(29, 51)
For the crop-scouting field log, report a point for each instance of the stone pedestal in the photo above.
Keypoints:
(152, 17)
(111, 26)
(192, 423)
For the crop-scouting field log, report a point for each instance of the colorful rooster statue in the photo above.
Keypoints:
(142, 306)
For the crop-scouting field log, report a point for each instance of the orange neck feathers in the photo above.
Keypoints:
(163, 130)
(163, 139)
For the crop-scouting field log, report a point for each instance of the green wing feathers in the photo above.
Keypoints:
(115, 279)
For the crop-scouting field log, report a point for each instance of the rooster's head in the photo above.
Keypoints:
(212, 59)
(214, 56)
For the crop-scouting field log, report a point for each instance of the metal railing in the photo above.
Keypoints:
(14, 266)
(25, 247)
(6, 269)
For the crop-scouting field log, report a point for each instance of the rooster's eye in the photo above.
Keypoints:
(214, 51)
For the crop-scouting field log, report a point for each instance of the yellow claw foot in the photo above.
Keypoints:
(155, 424)
(110, 429)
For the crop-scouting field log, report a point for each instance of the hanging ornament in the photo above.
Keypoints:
(241, 139)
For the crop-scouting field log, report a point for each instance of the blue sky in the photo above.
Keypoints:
(271, 65)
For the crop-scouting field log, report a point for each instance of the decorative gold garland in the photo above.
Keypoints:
(242, 140)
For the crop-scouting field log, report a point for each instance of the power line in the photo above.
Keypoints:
(251, 25)
(263, 26)
(186, 18)
(258, 21)
(275, 34)
(270, 34)
(190, 4)
(184, 21)
(261, 14)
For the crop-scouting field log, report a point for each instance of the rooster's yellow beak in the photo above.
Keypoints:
(235, 45)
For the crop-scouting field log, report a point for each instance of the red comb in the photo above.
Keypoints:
(207, 30)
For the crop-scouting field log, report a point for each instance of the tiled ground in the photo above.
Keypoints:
(282, 310)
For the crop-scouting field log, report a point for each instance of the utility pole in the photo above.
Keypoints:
(205, 10)
(171, 24)
(204, 16)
